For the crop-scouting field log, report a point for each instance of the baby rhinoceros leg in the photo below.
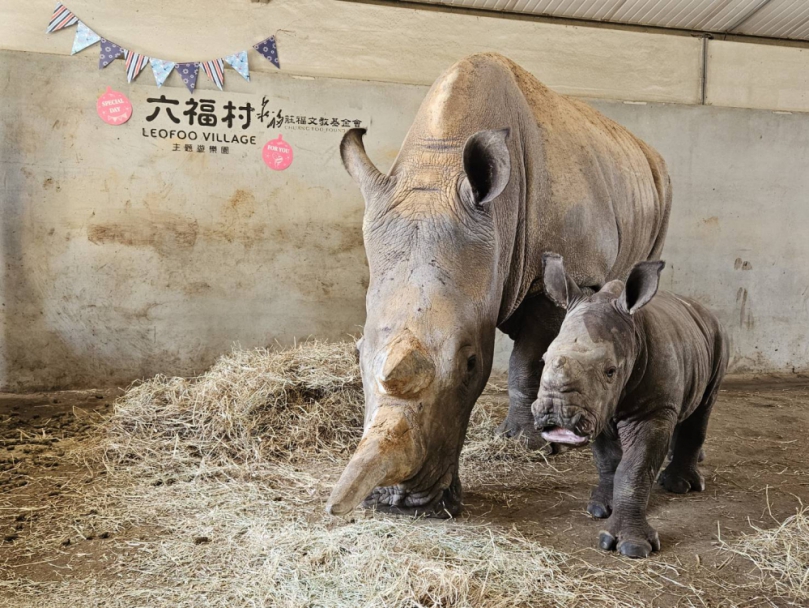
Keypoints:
(644, 445)
(682, 474)
(607, 455)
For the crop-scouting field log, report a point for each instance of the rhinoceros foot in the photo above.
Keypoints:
(635, 540)
(398, 500)
(680, 481)
(600, 505)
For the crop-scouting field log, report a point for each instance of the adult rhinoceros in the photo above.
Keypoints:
(495, 170)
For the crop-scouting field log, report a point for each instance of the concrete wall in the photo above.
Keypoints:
(124, 258)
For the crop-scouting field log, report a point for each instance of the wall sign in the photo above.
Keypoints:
(113, 107)
(277, 154)
(225, 128)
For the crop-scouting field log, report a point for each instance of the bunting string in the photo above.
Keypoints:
(134, 62)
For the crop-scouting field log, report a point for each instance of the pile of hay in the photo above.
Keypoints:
(781, 554)
(249, 408)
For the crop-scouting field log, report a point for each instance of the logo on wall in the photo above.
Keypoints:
(114, 107)
(135, 62)
(277, 154)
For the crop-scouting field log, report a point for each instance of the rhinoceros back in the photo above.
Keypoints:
(601, 197)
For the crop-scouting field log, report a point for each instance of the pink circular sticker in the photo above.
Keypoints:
(114, 108)
(277, 154)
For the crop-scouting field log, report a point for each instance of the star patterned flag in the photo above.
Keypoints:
(84, 37)
(188, 72)
(109, 53)
(215, 70)
(61, 18)
(135, 62)
(161, 70)
(269, 50)
(238, 61)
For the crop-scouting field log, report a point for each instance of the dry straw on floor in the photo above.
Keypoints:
(213, 495)
(781, 554)
(229, 472)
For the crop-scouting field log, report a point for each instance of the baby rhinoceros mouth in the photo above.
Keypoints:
(558, 434)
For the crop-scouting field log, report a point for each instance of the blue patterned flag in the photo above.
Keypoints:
(161, 70)
(135, 62)
(84, 37)
(109, 53)
(188, 72)
(215, 70)
(238, 61)
(61, 18)
(269, 50)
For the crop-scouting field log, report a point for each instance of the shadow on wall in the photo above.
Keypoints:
(25, 335)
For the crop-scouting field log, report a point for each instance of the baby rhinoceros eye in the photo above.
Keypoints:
(610, 372)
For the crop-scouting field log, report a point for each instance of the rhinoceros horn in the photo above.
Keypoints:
(406, 369)
(389, 453)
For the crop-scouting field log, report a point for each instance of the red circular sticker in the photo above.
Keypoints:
(114, 108)
(277, 154)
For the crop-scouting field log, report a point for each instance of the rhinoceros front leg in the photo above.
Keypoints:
(607, 455)
(538, 323)
(644, 444)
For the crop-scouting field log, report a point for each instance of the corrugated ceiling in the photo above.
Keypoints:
(766, 18)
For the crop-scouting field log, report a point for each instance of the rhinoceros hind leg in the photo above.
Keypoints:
(682, 473)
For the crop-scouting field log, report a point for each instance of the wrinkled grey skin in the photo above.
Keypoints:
(495, 169)
(631, 373)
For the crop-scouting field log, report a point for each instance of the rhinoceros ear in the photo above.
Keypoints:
(487, 165)
(641, 286)
(357, 163)
(559, 287)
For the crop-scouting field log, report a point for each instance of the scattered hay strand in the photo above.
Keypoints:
(224, 544)
(781, 554)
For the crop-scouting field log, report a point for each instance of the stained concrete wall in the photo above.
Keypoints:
(123, 257)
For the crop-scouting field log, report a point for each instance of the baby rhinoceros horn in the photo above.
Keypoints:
(407, 369)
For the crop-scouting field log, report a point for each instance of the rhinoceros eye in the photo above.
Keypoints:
(471, 362)
(610, 372)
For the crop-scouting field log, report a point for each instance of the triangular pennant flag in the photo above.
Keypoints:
(161, 70)
(215, 70)
(269, 50)
(238, 61)
(188, 72)
(135, 62)
(109, 53)
(61, 18)
(84, 37)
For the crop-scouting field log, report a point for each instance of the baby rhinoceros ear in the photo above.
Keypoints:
(559, 287)
(641, 286)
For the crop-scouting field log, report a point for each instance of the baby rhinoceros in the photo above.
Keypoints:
(631, 373)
